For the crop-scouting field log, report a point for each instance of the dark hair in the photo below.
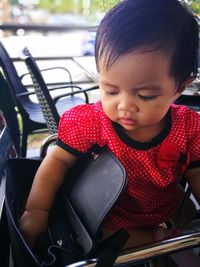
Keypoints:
(164, 25)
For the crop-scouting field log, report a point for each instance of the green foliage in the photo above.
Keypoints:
(14, 2)
(195, 7)
(105, 5)
(76, 5)
(57, 5)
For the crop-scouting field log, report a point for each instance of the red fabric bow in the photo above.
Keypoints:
(169, 154)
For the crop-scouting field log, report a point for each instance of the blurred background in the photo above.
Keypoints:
(72, 22)
(37, 22)
(58, 33)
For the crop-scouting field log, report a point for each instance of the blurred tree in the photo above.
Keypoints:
(14, 2)
(78, 6)
(94, 5)
(57, 5)
(103, 5)
(192, 4)
(195, 6)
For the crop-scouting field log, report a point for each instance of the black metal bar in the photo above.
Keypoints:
(59, 84)
(18, 59)
(95, 87)
(45, 28)
(149, 252)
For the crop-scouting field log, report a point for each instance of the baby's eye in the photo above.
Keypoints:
(111, 92)
(146, 98)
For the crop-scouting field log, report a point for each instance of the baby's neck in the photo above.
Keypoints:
(146, 134)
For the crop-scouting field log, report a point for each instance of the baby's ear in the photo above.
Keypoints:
(187, 83)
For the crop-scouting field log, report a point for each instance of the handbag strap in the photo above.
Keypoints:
(107, 257)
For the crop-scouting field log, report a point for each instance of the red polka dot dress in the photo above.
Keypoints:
(153, 168)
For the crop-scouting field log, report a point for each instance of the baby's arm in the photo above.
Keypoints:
(47, 181)
(193, 177)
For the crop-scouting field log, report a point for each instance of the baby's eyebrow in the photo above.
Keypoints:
(109, 84)
(148, 87)
(152, 87)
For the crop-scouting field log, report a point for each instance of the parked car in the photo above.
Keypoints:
(89, 45)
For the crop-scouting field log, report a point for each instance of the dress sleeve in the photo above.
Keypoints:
(193, 141)
(77, 131)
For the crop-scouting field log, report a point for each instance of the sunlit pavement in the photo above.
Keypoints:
(66, 44)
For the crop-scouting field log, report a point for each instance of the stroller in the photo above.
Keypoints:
(73, 236)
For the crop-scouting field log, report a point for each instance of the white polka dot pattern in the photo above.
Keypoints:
(150, 195)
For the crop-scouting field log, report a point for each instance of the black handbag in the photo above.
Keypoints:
(92, 188)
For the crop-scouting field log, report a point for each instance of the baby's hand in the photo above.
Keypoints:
(33, 224)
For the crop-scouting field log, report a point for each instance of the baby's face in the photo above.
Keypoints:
(137, 91)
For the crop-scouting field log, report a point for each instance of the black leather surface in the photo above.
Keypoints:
(91, 189)
(93, 194)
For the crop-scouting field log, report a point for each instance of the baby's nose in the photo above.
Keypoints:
(127, 104)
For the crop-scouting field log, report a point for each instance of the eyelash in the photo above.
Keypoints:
(146, 98)
(111, 93)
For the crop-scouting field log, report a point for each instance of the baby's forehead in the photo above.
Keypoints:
(139, 68)
(107, 59)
